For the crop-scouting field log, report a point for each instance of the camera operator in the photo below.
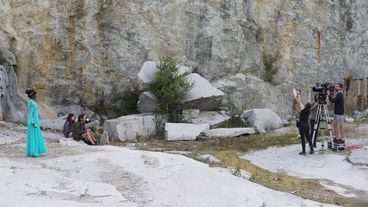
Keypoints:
(303, 123)
(338, 101)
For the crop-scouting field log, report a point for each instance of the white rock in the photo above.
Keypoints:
(111, 126)
(261, 119)
(209, 158)
(146, 74)
(147, 102)
(148, 70)
(56, 123)
(180, 131)
(213, 118)
(227, 132)
(129, 128)
(190, 114)
(183, 70)
(349, 119)
(202, 95)
(359, 156)
(105, 138)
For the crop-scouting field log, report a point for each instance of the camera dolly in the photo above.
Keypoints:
(336, 146)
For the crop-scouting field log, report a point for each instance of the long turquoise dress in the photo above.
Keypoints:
(35, 143)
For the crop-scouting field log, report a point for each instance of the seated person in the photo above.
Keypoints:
(67, 129)
(81, 133)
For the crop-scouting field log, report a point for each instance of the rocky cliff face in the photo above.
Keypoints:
(88, 51)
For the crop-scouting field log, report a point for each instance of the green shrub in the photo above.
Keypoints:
(169, 87)
(234, 109)
(270, 65)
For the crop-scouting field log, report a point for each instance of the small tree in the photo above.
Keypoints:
(169, 87)
(270, 65)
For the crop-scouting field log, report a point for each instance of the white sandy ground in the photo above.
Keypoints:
(73, 174)
(338, 170)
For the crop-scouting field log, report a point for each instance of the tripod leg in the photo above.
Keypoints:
(328, 125)
(316, 124)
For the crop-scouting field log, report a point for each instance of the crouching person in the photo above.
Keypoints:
(79, 131)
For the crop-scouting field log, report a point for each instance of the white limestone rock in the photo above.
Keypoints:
(261, 119)
(190, 114)
(227, 132)
(147, 102)
(148, 70)
(208, 158)
(359, 156)
(213, 118)
(129, 128)
(181, 131)
(55, 123)
(202, 95)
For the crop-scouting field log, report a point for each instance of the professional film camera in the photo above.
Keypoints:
(321, 90)
(322, 114)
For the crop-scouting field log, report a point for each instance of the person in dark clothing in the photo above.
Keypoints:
(339, 111)
(67, 129)
(80, 132)
(303, 124)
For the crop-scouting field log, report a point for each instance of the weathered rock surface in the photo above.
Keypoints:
(213, 118)
(359, 156)
(227, 132)
(208, 158)
(55, 123)
(248, 91)
(202, 95)
(146, 74)
(65, 110)
(105, 138)
(90, 50)
(148, 71)
(261, 119)
(129, 128)
(190, 114)
(180, 131)
(147, 102)
(13, 107)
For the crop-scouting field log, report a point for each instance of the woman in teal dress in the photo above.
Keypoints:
(35, 144)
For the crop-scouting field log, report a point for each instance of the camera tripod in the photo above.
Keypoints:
(322, 115)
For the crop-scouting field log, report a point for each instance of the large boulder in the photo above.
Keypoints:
(213, 118)
(180, 131)
(249, 91)
(227, 132)
(53, 123)
(261, 119)
(129, 128)
(147, 102)
(146, 74)
(202, 95)
(148, 70)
